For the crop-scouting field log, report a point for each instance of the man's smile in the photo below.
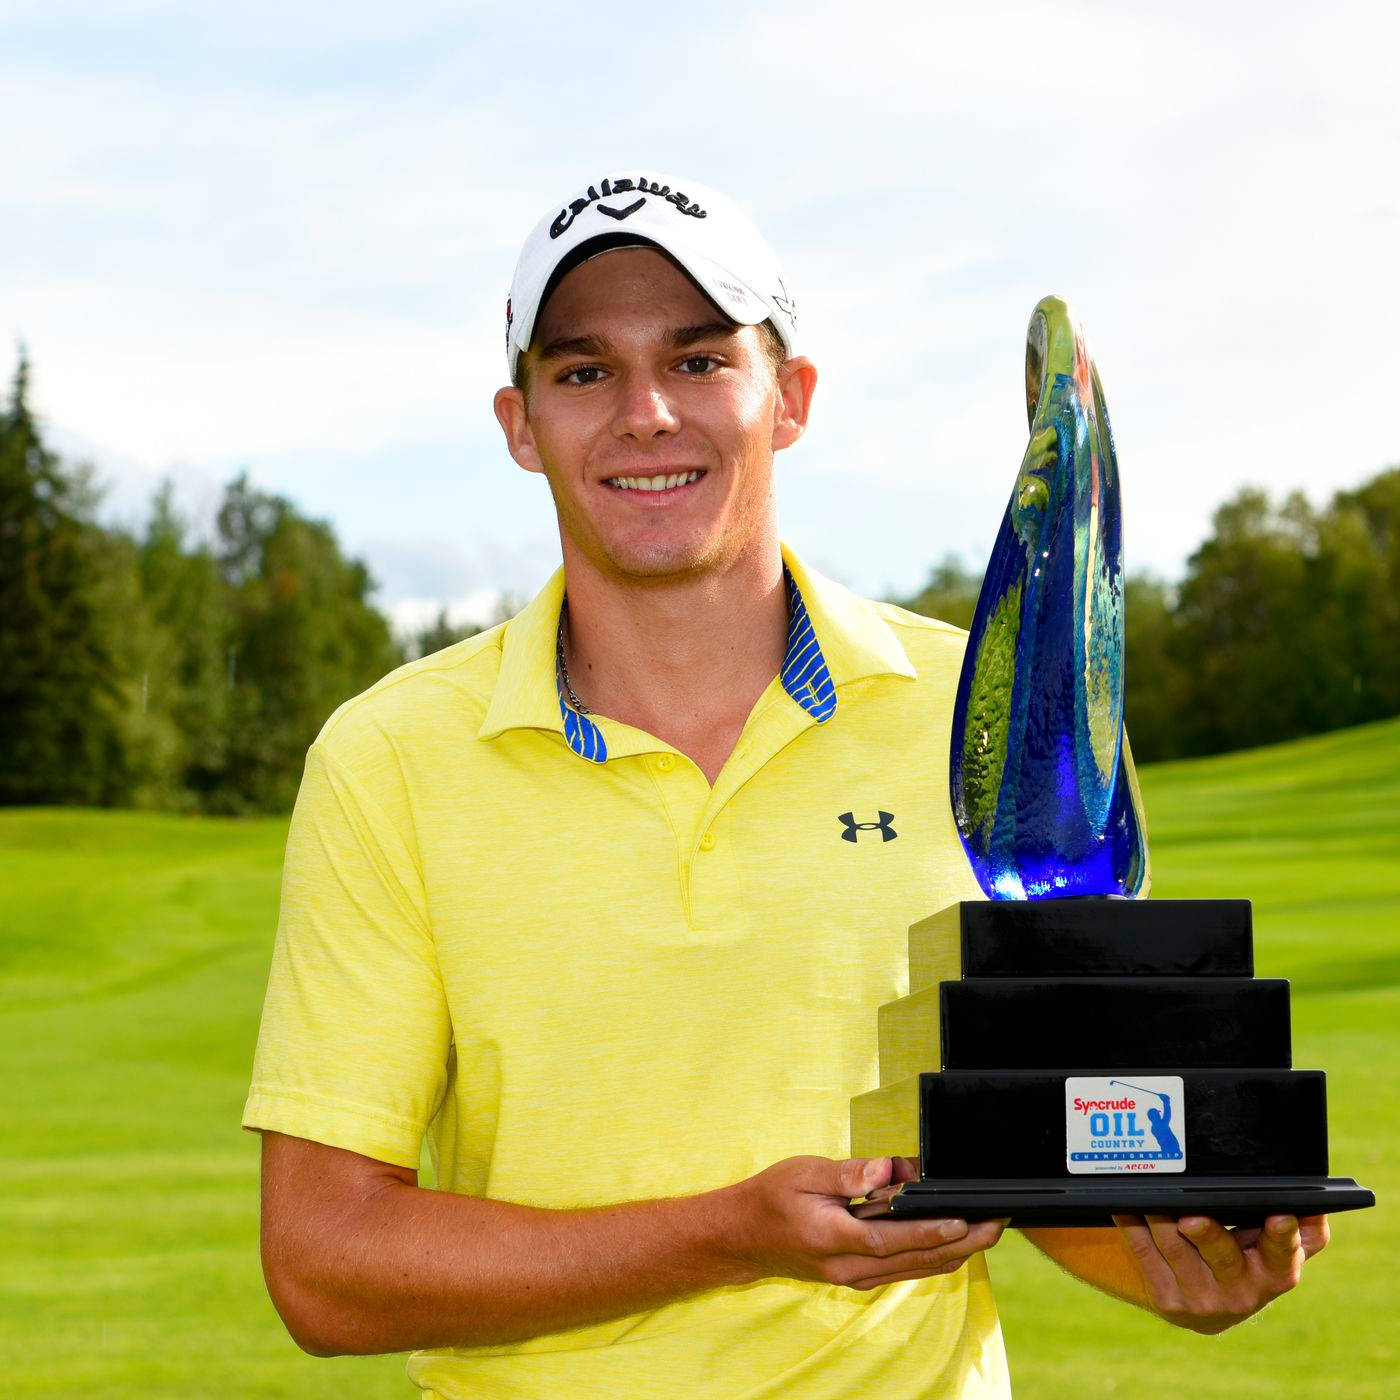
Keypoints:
(666, 482)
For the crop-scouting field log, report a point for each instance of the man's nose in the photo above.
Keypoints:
(643, 409)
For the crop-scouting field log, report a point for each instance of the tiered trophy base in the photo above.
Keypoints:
(1230, 1200)
(1099, 1058)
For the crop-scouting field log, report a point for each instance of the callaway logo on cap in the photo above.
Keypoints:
(707, 234)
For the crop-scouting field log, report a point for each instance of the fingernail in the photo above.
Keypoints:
(952, 1229)
(1285, 1225)
(1191, 1225)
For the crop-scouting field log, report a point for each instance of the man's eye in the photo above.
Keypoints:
(584, 374)
(699, 364)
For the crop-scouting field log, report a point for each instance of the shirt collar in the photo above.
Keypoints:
(834, 638)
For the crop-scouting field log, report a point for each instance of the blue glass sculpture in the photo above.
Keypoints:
(1043, 786)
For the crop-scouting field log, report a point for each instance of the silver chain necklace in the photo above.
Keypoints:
(564, 665)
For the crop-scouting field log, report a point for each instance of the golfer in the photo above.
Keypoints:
(599, 906)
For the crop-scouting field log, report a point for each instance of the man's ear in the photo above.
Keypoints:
(797, 379)
(509, 404)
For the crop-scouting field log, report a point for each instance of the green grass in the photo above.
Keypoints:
(133, 957)
(1309, 831)
(133, 954)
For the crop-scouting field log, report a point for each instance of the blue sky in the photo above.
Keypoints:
(280, 236)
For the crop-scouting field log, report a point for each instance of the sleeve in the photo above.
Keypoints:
(355, 1032)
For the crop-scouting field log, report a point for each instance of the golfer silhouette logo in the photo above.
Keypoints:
(1159, 1121)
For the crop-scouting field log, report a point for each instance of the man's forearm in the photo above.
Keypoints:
(359, 1259)
(1097, 1257)
(408, 1268)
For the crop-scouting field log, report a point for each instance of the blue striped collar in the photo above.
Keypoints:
(580, 733)
(805, 674)
(805, 677)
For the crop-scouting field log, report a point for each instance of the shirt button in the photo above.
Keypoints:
(664, 763)
(707, 841)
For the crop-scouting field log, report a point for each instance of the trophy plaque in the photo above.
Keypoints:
(1100, 1053)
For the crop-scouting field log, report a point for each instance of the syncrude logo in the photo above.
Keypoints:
(853, 828)
(1098, 1105)
(621, 208)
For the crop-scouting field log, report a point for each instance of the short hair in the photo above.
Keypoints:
(772, 343)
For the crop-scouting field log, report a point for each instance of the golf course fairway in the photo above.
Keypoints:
(133, 955)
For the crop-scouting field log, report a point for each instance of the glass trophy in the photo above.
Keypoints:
(1099, 1052)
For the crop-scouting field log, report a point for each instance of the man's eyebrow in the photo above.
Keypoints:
(710, 330)
(591, 345)
(596, 345)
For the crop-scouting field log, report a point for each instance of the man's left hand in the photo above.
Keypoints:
(1199, 1275)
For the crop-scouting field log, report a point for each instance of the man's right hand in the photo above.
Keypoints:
(793, 1221)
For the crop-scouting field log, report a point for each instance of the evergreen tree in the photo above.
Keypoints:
(439, 633)
(304, 637)
(1154, 693)
(1361, 542)
(1254, 639)
(140, 650)
(61, 699)
(185, 684)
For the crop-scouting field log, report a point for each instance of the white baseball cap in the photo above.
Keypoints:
(707, 234)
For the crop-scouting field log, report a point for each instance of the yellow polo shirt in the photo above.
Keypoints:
(546, 944)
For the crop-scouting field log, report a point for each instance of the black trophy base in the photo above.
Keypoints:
(1096, 1200)
(1122, 1032)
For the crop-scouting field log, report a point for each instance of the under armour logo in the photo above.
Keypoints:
(883, 826)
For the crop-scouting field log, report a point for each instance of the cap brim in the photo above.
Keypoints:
(735, 300)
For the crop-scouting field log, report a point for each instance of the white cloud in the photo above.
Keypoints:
(480, 608)
(281, 238)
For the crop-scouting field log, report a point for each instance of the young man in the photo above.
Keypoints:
(577, 901)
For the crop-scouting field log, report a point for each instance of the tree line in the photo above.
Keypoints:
(149, 668)
(1286, 623)
(155, 669)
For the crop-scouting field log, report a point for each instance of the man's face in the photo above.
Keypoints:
(653, 419)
